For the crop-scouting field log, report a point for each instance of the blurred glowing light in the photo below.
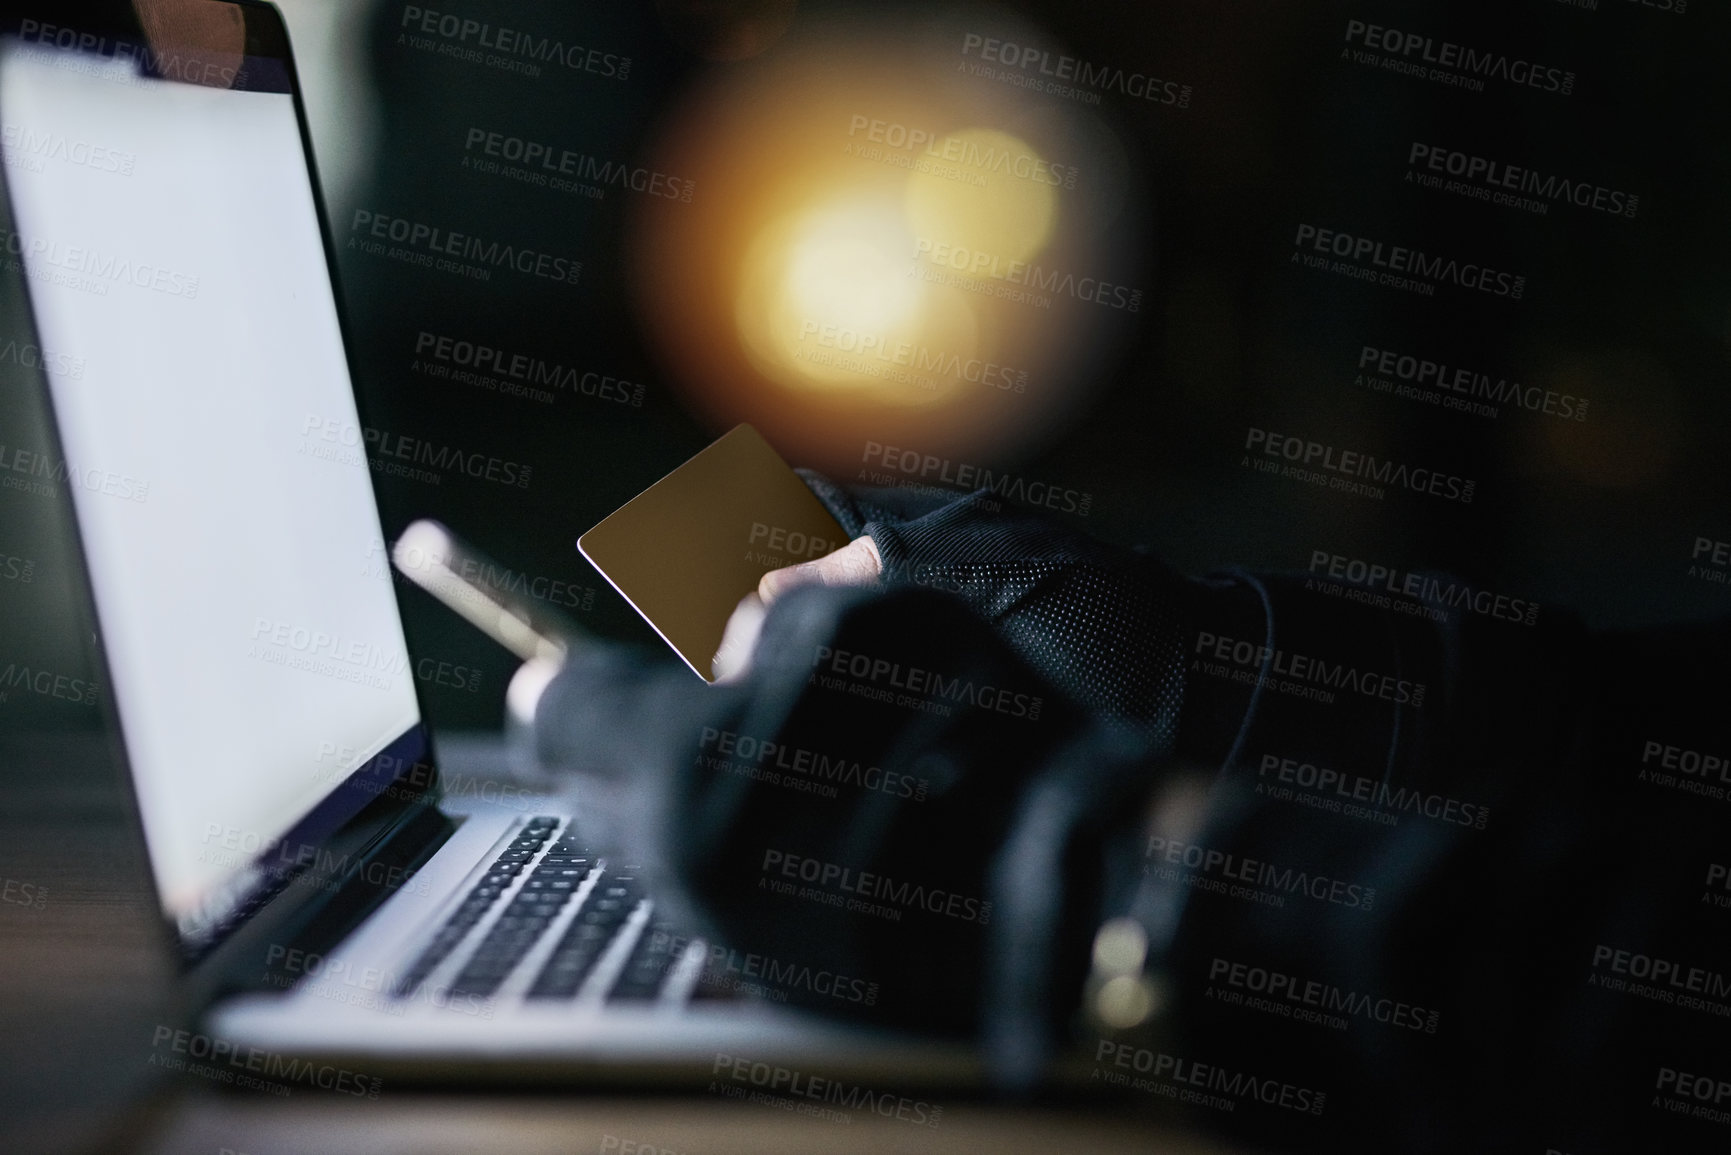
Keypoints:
(830, 297)
(847, 266)
(828, 301)
(881, 247)
(1125, 1002)
(1121, 947)
(991, 199)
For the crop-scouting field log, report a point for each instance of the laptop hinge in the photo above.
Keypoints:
(361, 866)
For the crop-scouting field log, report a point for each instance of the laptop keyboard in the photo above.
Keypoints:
(555, 916)
(589, 935)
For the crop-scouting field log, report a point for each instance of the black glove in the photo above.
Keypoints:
(1103, 624)
(891, 797)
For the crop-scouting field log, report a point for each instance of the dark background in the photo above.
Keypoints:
(1599, 516)
(1633, 314)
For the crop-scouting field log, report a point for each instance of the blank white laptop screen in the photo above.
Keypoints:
(212, 447)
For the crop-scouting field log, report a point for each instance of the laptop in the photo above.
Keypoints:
(329, 900)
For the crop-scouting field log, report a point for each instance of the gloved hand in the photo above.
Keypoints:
(889, 794)
(1105, 625)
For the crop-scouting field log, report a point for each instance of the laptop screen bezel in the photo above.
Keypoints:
(399, 780)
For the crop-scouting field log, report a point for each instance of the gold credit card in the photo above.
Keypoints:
(688, 548)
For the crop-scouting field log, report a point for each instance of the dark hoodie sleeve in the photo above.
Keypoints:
(1452, 877)
(1103, 624)
(894, 803)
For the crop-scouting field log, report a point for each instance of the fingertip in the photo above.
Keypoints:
(871, 559)
(738, 640)
(769, 586)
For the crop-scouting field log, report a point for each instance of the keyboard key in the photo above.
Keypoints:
(647, 968)
(541, 885)
(475, 905)
(585, 940)
(525, 919)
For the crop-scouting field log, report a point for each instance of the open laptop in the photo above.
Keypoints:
(326, 900)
